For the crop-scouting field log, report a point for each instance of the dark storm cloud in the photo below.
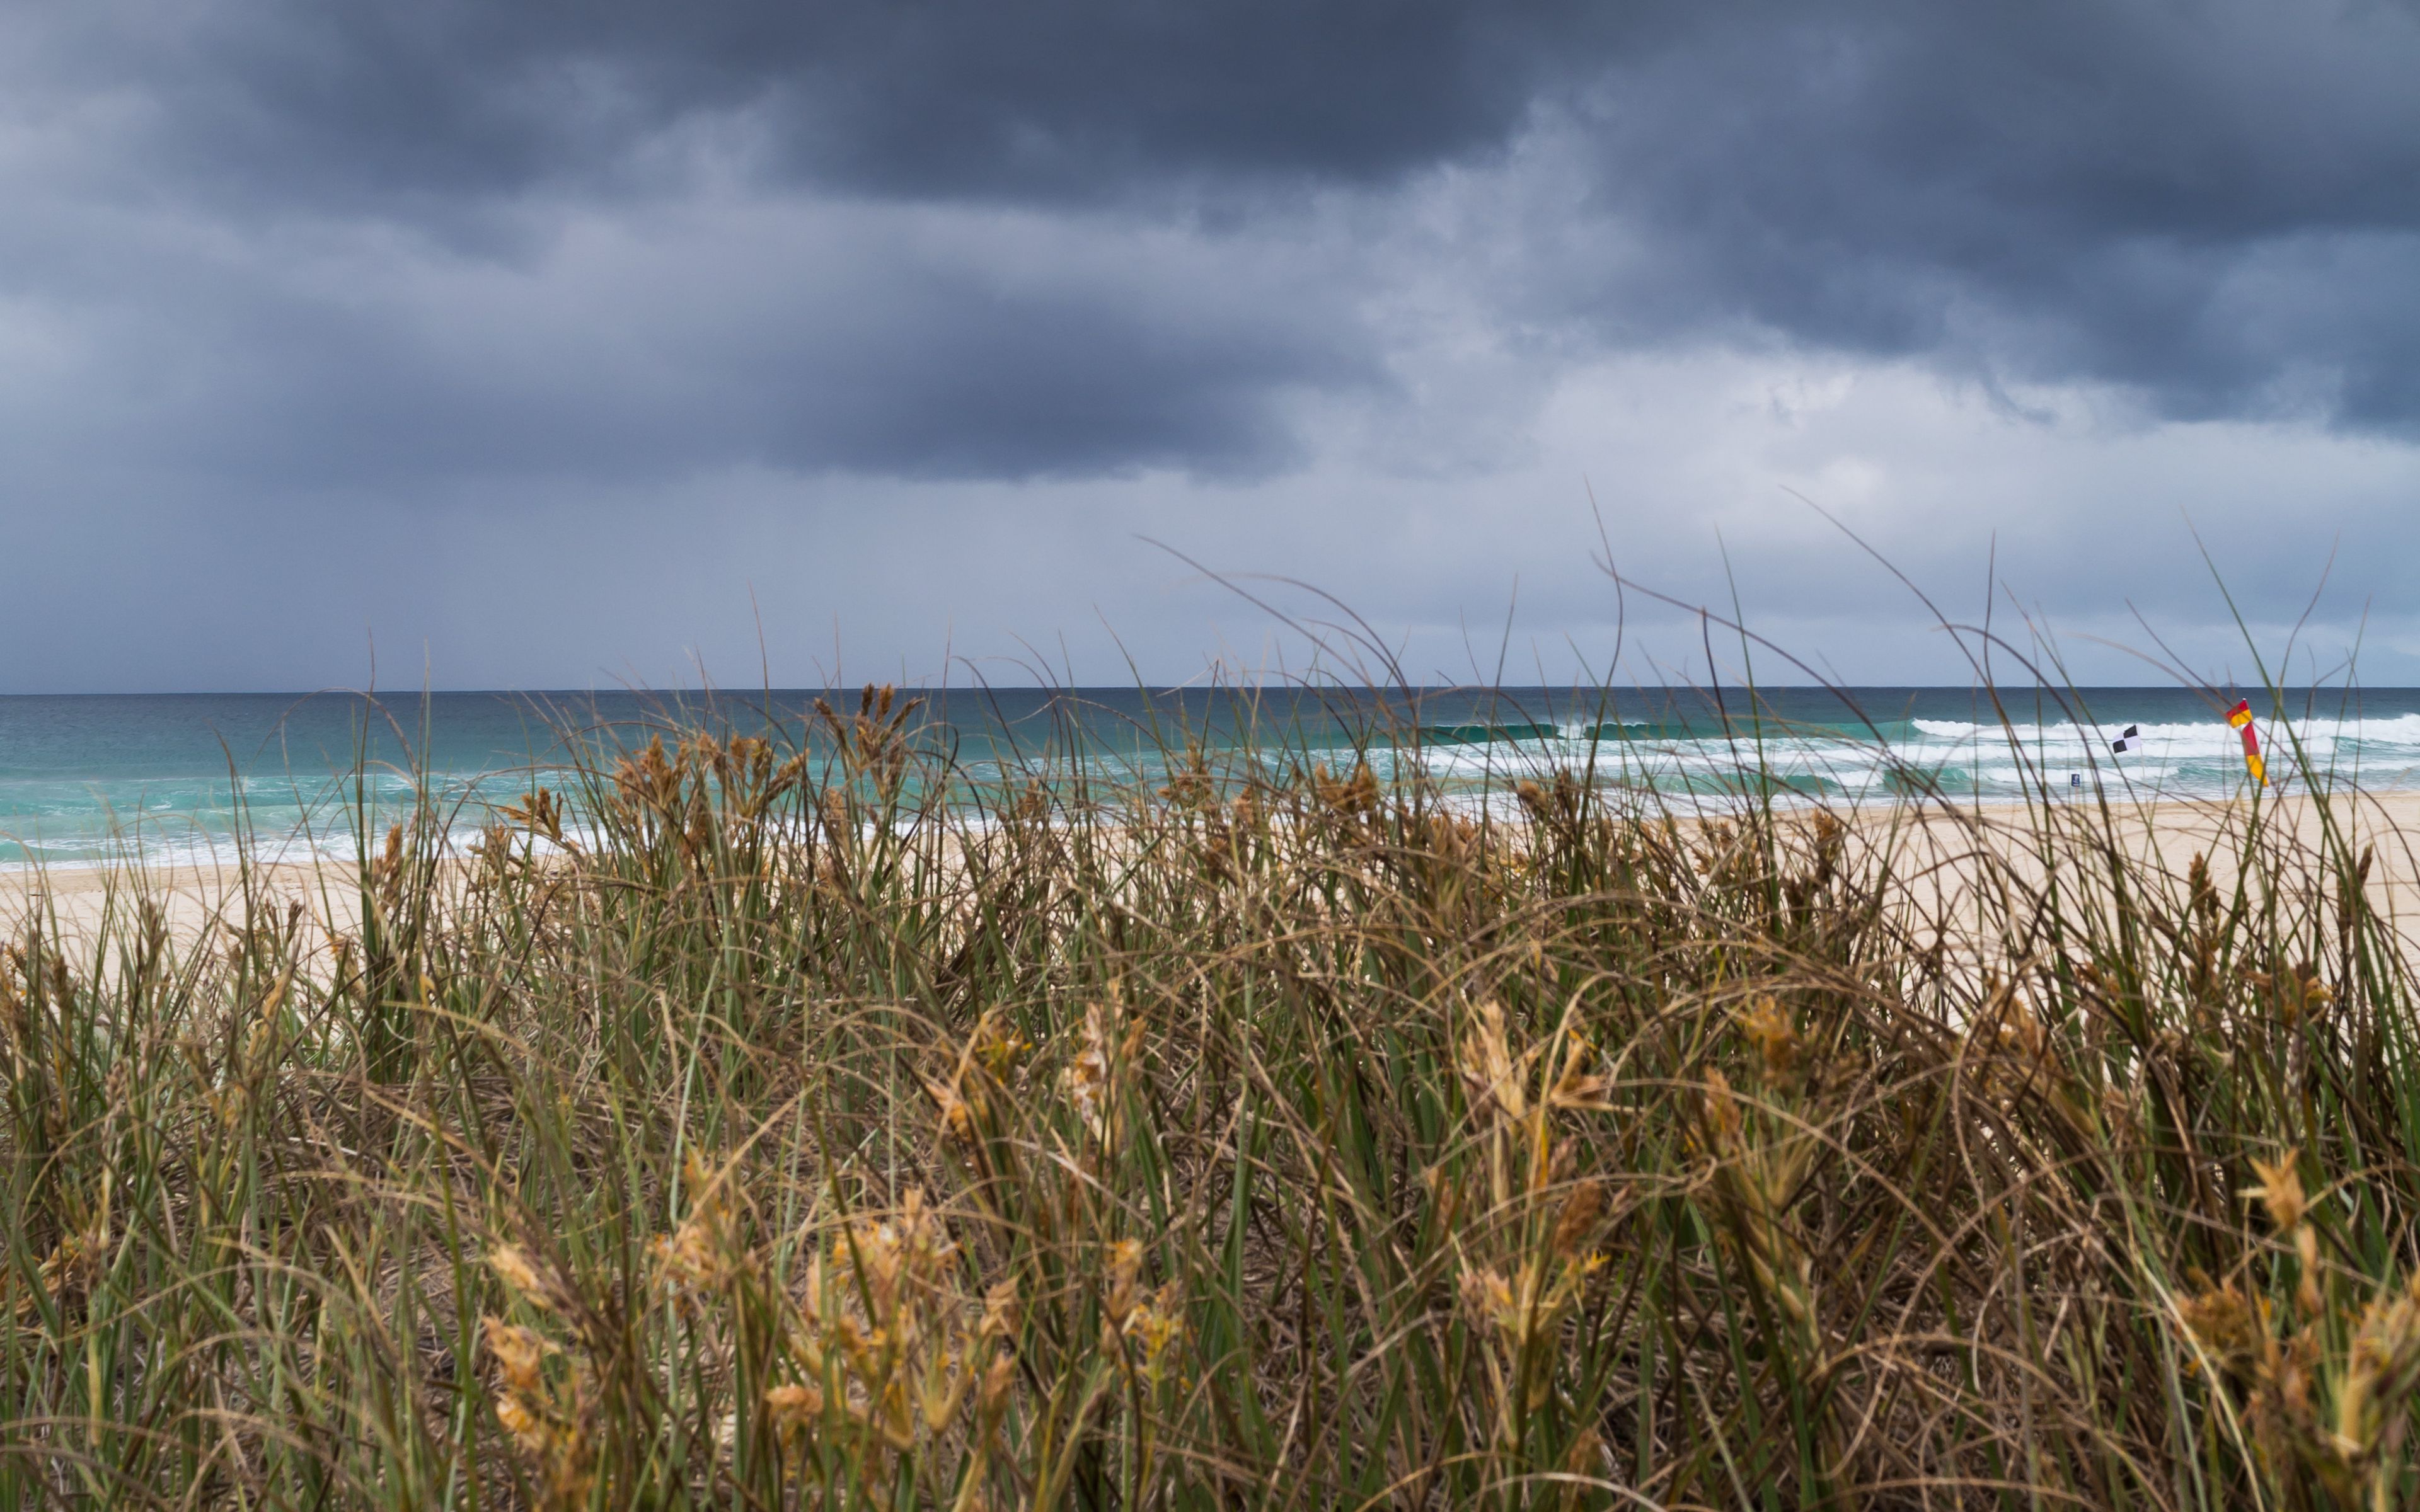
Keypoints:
(912, 344)
(2216, 205)
(1082, 97)
(252, 219)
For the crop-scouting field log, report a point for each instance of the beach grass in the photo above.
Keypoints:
(745, 1126)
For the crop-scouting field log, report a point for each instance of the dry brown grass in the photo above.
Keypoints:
(1291, 1140)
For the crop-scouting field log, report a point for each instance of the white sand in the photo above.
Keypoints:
(83, 901)
(1938, 854)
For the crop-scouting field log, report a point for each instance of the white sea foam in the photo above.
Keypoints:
(193, 819)
(2185, 759)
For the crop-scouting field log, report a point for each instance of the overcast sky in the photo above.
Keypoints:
(559, 343)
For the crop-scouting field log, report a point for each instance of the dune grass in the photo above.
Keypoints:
(797, 1133)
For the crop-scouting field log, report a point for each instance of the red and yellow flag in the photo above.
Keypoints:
(2240, 717)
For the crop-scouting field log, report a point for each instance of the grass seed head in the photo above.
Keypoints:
(1576, 1226)
(1497, 1079)
(1767, 1027)
(538, 1282)
(2280, 1191)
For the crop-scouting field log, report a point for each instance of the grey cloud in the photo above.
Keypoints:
(1361, 290)
(2215, 205)
(1058, 98)
(914, 343)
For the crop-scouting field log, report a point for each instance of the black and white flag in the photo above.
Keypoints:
(2129, 740)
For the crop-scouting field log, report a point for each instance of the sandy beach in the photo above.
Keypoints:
(1941, 842)
(89, 904)
(2172, 832)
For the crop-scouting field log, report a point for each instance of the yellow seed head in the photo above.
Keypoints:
(1766, 1027)
(541, 1288)
(2280, 1191)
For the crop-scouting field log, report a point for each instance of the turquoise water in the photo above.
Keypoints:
(83, 779)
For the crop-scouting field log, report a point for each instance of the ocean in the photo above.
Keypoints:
(186, 777)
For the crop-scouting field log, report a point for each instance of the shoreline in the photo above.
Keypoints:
(193, 893)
